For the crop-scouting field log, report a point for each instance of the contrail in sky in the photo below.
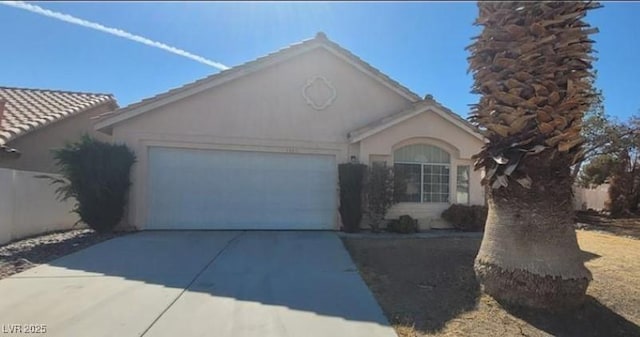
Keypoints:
(112, 31)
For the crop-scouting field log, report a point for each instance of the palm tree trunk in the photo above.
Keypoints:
(529, 254)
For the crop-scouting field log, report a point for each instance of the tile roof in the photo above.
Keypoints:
(319, 39)
(26, 109)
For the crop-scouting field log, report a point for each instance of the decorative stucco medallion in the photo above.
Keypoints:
(319, 92)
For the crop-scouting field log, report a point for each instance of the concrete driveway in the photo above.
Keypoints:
(198, 283)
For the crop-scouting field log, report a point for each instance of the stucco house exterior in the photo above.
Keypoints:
(257, 146)
(34, 121)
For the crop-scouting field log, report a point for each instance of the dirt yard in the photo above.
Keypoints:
(427, 288)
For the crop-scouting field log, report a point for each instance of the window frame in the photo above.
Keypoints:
(422, 180)
(467, 182)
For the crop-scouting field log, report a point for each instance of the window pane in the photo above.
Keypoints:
(462, 185)
(421, 153)
(427, 179)
(422, 174)
(407, 182)
(435, 183)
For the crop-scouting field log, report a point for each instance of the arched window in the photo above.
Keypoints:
(422, 173)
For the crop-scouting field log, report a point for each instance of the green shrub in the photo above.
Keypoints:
(378, 193)
(351, 178)
(96, 175)
(621, 189)
(466, 218)
(404, 225)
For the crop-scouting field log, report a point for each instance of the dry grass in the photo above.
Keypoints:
(427, 288)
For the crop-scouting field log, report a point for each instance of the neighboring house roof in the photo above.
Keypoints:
(5, 151)
(27, 110)
(320, 41)
(428, 104)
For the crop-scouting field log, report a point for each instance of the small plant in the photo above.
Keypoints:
(378, 194)
(351, 176)
(466, 218)
(96, 175)
(404, 225)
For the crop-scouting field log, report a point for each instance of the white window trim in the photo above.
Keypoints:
(420, 163)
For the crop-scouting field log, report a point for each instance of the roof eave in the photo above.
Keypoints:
(366, 132)
(9, 153)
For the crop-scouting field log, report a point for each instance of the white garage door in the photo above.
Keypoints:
(215, 189)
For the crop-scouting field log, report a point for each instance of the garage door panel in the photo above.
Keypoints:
(212, 189)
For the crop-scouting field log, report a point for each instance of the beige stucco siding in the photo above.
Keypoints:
(427, 128)
(35, 147)
(269, 105)
(263, 111)
(426, 124)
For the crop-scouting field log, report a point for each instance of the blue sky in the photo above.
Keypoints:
(419, 44)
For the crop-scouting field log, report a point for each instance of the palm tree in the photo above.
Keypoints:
(532, 66)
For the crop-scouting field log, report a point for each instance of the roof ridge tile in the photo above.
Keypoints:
(55, 90)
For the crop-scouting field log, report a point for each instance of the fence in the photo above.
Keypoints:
(594, 198)
(28, 206)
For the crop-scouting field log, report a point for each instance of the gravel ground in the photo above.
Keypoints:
(27, 253)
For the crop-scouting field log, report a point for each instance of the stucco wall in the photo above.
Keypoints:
(28, 206)
(263, 111)
(35, 147)
(425, 124)
(591, 198)
(269, 105)
(428, 128)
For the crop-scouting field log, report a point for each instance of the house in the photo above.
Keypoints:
(8, 153)
(34, 121)
(257, 146)
(5, 151)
